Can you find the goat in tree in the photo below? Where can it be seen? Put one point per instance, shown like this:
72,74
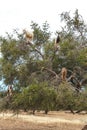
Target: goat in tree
10,91
63,74
28,35
29,38
56,44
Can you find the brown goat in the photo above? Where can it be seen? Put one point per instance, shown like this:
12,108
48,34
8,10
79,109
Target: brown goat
63,73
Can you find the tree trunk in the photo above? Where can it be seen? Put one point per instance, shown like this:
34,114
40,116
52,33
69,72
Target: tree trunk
46,111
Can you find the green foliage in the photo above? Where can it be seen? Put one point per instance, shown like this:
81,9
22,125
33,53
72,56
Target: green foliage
81,102
69,99
75,26
35,97
44,97
65,97
41,35
82,57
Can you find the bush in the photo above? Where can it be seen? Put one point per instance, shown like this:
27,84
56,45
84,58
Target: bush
66,97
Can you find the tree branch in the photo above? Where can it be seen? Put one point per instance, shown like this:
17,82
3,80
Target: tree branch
78,85
29,43
51,71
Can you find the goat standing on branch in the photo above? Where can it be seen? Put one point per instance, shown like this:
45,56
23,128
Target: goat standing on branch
56,44
29,38
63,74
10,91
28,35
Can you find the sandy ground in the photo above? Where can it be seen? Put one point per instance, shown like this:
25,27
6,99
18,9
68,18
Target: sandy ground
40,121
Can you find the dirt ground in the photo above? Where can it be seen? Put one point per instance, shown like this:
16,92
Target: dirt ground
39,121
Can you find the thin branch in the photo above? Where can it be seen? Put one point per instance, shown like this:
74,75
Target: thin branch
29,43
51,71
78,85
39,52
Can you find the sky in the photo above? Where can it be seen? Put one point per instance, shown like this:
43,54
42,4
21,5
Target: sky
18,14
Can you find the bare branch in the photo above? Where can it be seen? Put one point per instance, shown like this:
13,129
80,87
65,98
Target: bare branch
29,43
51,71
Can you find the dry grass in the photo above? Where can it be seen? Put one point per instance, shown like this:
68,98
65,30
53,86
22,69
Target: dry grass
52,121
16,124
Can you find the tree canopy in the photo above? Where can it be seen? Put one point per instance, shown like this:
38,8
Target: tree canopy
24,65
